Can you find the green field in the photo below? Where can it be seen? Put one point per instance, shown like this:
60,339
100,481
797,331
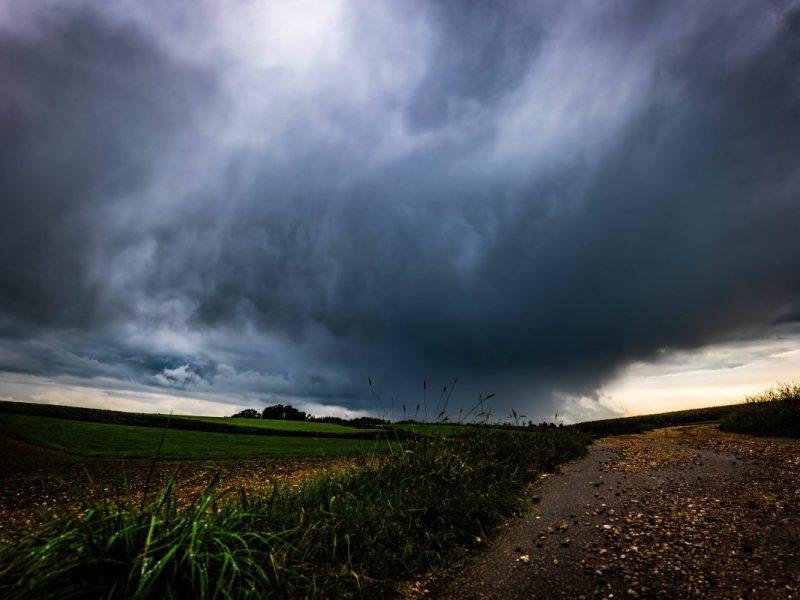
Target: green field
103,440
189,423
306,426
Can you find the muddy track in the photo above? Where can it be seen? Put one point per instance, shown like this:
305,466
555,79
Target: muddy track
686,512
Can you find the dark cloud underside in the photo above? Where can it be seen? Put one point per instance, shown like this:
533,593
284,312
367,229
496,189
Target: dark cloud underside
530,197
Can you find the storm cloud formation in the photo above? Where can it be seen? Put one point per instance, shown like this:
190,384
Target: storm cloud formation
263,202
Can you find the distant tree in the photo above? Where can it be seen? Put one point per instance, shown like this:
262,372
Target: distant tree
283,413
366,421
328,419
247,413
354,422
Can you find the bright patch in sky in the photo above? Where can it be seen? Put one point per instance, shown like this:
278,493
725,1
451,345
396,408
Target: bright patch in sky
714,375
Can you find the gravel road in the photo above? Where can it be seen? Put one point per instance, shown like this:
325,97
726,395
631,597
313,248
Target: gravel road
684,512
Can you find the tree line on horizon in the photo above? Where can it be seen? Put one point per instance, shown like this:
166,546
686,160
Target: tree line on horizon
287,412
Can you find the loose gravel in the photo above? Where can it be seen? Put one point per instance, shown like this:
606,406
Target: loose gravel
683,512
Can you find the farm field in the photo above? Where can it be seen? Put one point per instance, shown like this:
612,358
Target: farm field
307,426
102,440
39,484
186,422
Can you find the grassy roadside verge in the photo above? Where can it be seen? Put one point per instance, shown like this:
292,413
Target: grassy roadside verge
638,424
776,412
342,535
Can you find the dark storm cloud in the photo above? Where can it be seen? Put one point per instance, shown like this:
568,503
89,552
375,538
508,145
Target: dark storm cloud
530,198
482,51
86,110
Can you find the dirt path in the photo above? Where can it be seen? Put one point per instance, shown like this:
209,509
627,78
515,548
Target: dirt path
685,512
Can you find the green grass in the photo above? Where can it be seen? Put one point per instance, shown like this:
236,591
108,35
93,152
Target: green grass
307,426
776,412
103,440
343,535
189,423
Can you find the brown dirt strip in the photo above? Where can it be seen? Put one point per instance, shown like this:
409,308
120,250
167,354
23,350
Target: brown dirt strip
685,512
37,484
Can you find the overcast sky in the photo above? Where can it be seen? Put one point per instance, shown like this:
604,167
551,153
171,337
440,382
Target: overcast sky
215,205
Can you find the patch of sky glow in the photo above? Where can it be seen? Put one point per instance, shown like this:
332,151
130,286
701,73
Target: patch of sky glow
709,376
